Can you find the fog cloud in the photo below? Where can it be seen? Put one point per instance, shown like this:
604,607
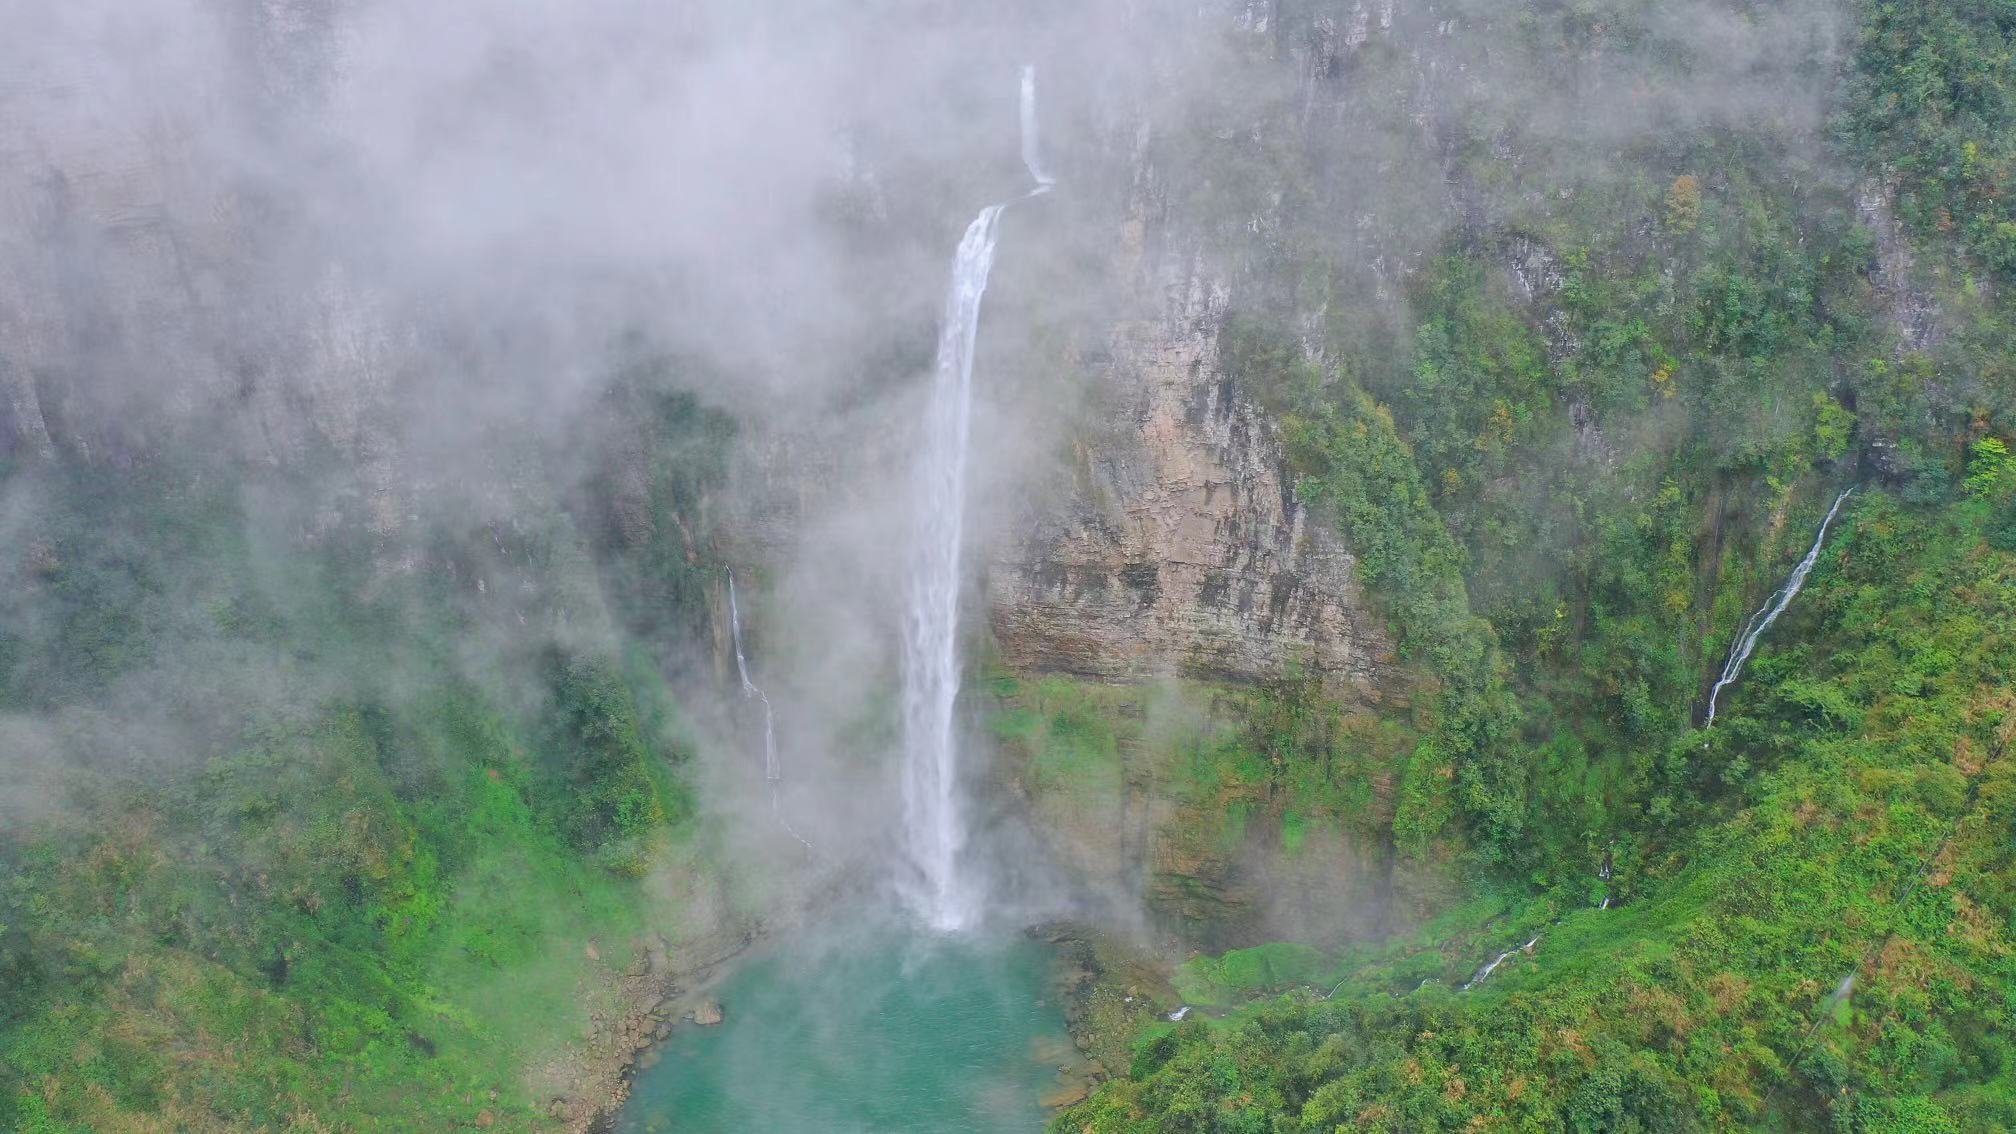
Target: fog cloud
413,232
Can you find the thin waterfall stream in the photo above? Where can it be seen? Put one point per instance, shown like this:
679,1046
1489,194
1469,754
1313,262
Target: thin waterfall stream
934,828
1484,974
1032,145
773,768
772,771
1759,622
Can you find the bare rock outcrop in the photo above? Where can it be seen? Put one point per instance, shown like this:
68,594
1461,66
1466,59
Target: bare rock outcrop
1179,547
1912,311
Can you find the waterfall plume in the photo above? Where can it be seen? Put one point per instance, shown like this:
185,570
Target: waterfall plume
934,825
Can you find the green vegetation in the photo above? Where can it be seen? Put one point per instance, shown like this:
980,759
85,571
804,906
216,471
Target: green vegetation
326,953
1487,489
1626,392
1869,836
299,858
336,809
1244,972
1188,783
1360,469
1617,415
1067,732
1932,106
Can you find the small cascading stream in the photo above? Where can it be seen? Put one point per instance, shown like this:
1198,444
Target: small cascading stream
773,768
934,827
1746,642
1759,622
1484,974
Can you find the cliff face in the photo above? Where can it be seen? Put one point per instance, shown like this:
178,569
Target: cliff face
1164,569
147,276
1175,543
1170,566
156,290
1179,546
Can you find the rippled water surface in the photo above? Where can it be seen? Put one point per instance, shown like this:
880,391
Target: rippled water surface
883,1032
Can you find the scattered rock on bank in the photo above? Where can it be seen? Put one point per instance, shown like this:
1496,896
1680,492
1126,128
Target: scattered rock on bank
1070,1095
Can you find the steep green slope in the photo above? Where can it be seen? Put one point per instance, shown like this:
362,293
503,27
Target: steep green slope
1850,815
327,826
1568,498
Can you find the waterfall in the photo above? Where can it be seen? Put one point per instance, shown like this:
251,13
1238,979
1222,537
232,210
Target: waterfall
773,769
1769,612
934,828
1484,973
931,624
1032,150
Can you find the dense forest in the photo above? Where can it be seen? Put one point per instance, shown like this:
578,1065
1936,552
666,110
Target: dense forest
1797,919
343,885
327,808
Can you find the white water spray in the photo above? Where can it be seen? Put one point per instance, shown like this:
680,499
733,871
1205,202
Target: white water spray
934,827
1769,612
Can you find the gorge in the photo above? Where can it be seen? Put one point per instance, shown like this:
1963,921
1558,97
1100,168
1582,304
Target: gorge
537,599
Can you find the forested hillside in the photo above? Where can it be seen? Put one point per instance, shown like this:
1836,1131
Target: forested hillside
322,832
1290,613
1570,502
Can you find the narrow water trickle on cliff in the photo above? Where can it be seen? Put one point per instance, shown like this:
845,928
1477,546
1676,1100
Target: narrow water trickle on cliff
772,771
773,768
1774,606
1032,144
934,828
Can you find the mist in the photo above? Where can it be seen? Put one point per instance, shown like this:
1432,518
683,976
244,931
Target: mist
417,235
394,292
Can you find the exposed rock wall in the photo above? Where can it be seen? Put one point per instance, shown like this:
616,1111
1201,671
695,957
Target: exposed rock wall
1179,546
142,279
1912,311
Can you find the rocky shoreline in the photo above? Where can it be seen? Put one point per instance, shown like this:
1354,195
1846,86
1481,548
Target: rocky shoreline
656,991
1109,989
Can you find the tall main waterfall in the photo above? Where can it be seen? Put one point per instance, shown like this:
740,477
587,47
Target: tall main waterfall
934,826
1769,612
